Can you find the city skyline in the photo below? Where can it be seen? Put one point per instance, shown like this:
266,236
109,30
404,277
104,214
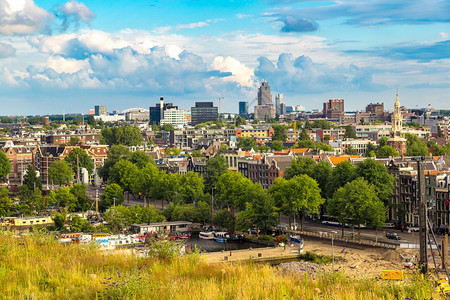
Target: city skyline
70,56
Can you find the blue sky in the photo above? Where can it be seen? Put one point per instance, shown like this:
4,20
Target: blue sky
57,55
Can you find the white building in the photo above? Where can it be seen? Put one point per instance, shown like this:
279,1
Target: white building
175,117
110,118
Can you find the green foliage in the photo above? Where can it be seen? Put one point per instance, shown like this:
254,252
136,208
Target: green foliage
349,133
31,179
415,147
173,151
247,142
223,219
277,145
344,172
300,165
62,197
199,213
386,151
120,217
322,124
125,135
140,159
279,133
113,195
351,151
83,202
5,165
168,127
322,146
148,182
74,141
240,121
163,249
6,204
263,148
30,201
299,195
357,203
304,136
60,220
196,153
315,258
215,167
78,157
91,120
78,224
233,188
376,174
191,187
115,153
125,174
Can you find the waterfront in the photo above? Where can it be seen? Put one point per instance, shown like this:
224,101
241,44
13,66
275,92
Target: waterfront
213,246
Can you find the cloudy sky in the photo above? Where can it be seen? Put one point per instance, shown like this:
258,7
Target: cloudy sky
70,56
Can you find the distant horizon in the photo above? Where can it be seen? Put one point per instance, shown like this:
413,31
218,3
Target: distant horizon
72,55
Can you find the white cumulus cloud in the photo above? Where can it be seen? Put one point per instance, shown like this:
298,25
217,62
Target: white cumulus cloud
21,17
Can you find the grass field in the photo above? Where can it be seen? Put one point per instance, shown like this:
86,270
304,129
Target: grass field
38,267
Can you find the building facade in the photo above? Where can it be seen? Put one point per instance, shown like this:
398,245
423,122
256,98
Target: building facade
204,112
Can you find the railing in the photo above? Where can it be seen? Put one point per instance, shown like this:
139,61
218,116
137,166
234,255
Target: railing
346,239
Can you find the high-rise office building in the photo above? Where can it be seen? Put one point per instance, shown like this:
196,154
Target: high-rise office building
204,112
100,110
333,109
243,108
264,94
279,105
157,112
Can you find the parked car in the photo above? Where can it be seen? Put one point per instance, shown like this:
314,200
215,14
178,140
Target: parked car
393,236
400,227
413,228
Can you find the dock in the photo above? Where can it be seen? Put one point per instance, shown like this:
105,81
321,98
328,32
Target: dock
269,254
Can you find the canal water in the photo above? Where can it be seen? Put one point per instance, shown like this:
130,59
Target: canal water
213,246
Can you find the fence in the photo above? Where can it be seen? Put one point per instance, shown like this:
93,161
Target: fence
346,239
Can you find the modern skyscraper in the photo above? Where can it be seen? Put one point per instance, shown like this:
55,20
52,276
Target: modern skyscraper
243,108
100,110
264,94
279,104
204,112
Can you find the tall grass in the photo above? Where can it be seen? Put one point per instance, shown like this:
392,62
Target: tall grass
38,267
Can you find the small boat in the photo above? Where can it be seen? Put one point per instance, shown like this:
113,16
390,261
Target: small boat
221,237
296,239
235,238
206,235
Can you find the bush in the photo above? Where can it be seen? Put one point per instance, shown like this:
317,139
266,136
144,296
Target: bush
316,258
267,238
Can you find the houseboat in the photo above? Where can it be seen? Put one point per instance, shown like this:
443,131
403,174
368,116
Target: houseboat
206,235
26,222
221,237
162,227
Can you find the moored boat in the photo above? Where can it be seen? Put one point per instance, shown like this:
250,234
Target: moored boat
206,235
235,238
221,237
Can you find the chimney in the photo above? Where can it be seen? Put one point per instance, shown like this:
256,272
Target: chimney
161,107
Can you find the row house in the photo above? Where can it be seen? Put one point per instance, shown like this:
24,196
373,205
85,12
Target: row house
197,165
85,138
19,157
191,137
265,169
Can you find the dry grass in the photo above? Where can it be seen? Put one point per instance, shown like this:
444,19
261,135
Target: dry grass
38,267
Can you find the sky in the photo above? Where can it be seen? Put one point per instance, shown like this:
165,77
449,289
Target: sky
60,56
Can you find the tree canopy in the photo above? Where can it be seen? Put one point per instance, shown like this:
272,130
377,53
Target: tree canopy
60,172
78,157
5,165
122,135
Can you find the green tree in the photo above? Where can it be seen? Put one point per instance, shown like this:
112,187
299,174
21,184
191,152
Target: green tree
91,120
279,133
5,165
297,196
125,135
382,142
63,198
125,174
376,174
78,158
83,202
415,147
300,165
247,142
74,141
351,151
167,127
349,133
233,188
173,151
60,172
215,167
113,196
78,224
322,174
224,219
31,180
322,124
386,151
30,201
263,148
6,204
277,145
148,182
240,121
140,159
120,217
60,220
357,203
115,153
191,187
343,173
260,211
196,153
